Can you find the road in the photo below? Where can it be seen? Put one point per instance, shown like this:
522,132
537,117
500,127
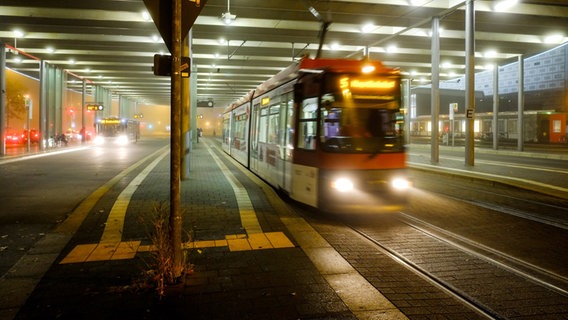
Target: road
41,191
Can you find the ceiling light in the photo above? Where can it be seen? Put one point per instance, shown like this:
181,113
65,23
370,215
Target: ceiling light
554,39
392,49
368,28
504,5
417,2
146,16
334,46
227,17
50,49
490,54
18,33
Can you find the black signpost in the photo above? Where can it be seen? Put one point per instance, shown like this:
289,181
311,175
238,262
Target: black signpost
174,18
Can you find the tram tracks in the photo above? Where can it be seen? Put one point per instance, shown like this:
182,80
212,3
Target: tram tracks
539,275
491,283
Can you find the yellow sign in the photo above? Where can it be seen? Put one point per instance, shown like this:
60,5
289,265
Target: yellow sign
372,84
265,101
347,83
110,121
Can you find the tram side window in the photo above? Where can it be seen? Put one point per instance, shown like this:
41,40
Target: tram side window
255,130
307,124
226,129
263,124
273,126
239,130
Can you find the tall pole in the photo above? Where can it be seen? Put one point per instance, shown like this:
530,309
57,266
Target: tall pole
2,97
185,113
175,161
521,106
495,124
83,113
435,95
469,81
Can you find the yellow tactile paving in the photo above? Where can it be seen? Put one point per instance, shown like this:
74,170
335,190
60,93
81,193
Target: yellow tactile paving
259,241
239,245
126,250
204,244
279,240
103,251
146,248
79,253
221,243
235,236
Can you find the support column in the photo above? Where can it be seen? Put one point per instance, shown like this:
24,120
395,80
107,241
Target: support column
2,98
43,82
469,81
175,157
83,113
521,106
495,123
185,110
435,92
406,106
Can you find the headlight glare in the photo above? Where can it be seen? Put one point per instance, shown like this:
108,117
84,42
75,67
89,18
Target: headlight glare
400,184
342,185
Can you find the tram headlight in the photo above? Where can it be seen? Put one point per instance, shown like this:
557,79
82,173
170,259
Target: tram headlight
99,140
342,185
122,140
400,184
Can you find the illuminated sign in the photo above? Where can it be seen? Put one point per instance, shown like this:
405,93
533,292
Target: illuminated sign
366,84
95,107
265,101
372,84
110,121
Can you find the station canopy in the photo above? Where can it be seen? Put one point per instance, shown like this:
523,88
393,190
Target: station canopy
240,43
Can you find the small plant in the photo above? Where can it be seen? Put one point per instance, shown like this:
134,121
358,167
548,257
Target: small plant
162,267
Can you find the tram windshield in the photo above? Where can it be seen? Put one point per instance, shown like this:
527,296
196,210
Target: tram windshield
361,115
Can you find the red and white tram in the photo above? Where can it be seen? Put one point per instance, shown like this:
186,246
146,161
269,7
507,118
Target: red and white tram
328,132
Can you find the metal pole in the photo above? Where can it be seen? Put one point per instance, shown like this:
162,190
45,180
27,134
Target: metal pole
175,160
470,81
521,106
495,126
407,109
185,113
435,94
83,107
2,97
43,82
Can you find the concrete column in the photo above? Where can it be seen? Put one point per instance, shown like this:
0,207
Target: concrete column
435,93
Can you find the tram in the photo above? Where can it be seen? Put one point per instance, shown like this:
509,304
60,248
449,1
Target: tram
327,132
116,130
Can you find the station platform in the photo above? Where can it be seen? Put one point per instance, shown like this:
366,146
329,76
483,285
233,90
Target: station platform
249,255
